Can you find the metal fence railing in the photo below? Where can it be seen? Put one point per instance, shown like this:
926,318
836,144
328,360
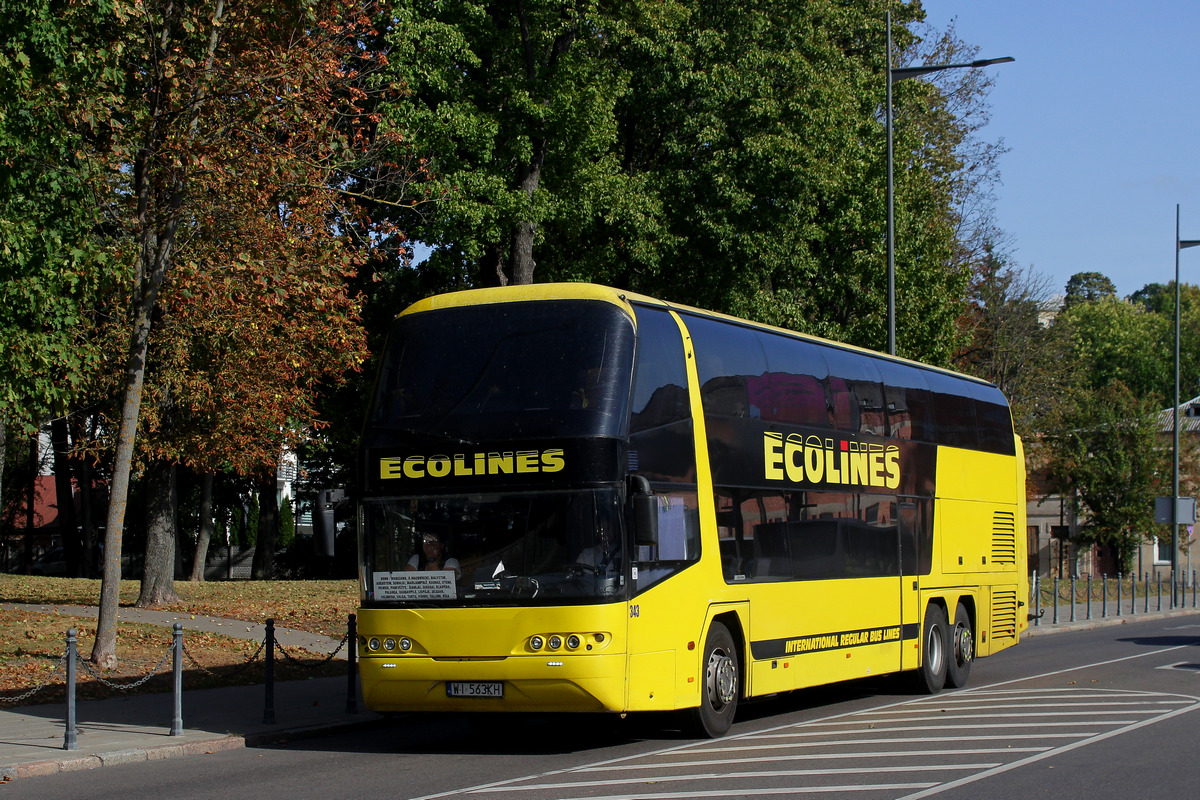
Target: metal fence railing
1081,599
176,651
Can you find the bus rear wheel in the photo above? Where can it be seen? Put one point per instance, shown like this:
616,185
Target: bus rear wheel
931,675
962,650
722,683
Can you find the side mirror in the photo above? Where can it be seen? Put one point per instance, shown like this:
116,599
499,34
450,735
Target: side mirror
645,511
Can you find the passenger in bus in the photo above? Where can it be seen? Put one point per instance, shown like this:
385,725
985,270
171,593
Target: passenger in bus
433,556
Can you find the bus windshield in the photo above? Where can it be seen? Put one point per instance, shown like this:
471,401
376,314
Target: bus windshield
553,547
505,371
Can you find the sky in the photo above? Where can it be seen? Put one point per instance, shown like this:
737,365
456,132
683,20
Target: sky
1101,115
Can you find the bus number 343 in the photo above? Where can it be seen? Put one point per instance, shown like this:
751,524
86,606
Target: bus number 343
635,611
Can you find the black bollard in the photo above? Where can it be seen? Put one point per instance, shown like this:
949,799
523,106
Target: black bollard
177,679
269,710
71,737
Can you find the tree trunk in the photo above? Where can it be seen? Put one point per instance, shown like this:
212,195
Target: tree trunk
83,474
104,651
64,496
158,575
521,262
268,519
268,514
206,528
3,454
31,500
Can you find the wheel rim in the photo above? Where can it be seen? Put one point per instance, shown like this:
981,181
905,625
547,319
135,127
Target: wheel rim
964,646
934,650
721,678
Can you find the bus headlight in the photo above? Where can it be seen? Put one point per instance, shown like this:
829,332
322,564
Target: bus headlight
373,643
405,644
572,642
555,642
389,643
536,642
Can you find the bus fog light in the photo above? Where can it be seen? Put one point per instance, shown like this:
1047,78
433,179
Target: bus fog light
555,642
572,642
536,643
372,643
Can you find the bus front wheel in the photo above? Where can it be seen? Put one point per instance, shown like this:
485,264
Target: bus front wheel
962,650
931,675
719,693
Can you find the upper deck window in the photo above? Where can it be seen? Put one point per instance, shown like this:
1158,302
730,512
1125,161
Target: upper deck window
507,370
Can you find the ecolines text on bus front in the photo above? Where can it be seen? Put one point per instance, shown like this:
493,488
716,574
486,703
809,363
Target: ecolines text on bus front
468,464
815,459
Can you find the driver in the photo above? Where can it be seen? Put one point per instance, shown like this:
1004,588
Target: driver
433,556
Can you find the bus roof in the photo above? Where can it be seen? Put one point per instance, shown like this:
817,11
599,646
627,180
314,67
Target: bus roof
625,299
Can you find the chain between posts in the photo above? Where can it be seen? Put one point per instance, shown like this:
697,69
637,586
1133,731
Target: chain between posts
315,664
18,698
238,671
122,687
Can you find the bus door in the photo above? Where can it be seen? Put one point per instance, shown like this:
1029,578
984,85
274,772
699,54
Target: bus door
664,615
914,522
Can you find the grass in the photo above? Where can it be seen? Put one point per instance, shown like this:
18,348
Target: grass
32,644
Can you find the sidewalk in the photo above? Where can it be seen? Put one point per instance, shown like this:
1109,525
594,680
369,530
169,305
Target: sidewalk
137,728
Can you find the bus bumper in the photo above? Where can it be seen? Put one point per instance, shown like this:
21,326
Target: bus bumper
529,683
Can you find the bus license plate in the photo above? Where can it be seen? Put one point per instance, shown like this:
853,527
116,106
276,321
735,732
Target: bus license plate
474,689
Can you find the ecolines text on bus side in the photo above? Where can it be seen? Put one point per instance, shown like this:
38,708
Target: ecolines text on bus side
815,459
468,464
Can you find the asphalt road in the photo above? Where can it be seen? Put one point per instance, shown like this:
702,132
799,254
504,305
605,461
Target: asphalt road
1106,713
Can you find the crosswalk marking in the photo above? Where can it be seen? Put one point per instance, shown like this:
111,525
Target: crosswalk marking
941,742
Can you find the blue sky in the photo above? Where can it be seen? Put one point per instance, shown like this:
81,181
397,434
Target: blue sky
1101,115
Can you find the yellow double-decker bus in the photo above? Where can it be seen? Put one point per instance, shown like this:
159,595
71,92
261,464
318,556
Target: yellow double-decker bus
575,498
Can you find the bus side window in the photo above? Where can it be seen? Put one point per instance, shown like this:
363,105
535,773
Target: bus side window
857,391
660,425
907,403
678,539
732,370
798,382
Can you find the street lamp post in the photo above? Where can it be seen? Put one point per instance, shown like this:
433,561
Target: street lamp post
893,75
1180,244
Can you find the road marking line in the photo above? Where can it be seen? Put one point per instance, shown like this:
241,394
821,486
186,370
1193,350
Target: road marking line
781,773
1047,754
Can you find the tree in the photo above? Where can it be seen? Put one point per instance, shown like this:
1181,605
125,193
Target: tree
512,106
1112,340
1085,287
51,266
221,121
1010,346
725,157
1105,447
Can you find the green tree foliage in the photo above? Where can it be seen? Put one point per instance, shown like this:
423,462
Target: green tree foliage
287,524
1084,287
1104,447
728,156
53,67
1114,340
1159,299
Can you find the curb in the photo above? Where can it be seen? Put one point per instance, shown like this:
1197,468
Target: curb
34,769
1104,622
197,747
